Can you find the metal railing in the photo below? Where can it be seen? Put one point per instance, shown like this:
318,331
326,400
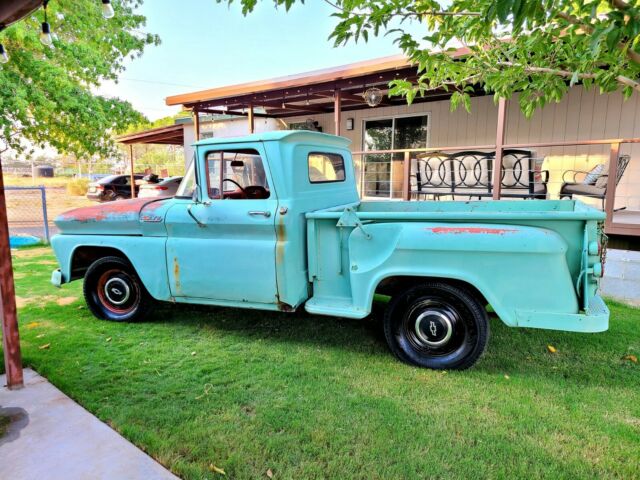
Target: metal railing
410,157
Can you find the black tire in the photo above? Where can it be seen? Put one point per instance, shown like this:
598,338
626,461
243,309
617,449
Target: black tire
113,291
455,336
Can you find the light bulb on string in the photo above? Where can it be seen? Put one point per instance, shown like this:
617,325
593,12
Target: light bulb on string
45,34
107,9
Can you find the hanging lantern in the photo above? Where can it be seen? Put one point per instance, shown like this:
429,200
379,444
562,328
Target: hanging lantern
373,96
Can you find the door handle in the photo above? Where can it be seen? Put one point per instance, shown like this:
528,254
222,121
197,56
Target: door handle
255,213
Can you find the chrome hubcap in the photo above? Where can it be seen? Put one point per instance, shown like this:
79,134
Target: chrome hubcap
433,328
117,291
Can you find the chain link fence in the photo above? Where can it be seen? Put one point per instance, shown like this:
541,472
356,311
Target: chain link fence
27,213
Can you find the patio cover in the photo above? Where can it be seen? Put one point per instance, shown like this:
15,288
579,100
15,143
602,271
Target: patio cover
321,91
171,135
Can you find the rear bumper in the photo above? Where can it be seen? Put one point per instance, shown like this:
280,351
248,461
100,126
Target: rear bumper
594,319
96,196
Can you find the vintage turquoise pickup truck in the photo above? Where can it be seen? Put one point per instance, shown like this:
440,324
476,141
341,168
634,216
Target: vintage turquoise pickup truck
273,221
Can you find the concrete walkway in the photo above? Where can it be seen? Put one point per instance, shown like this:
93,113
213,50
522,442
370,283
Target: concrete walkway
50,436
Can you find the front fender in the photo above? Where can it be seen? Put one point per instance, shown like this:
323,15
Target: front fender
146,254
514,267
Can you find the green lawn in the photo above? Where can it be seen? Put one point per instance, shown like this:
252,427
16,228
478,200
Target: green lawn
315,397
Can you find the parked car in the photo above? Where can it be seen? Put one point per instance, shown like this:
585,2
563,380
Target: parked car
113,187
163,188
283,227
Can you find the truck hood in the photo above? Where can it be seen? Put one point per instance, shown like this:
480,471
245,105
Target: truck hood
122,217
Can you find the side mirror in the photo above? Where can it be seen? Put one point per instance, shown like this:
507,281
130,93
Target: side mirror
195,196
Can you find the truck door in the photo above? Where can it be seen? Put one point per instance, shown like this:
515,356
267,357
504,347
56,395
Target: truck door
222,248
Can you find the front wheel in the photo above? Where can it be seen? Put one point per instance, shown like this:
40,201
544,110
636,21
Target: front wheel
113,291
437,325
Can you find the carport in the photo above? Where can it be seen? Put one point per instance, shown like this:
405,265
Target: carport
171,135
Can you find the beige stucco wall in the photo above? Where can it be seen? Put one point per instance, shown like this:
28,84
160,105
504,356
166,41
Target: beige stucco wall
582,114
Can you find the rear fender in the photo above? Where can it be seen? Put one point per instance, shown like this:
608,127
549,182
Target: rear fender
513,267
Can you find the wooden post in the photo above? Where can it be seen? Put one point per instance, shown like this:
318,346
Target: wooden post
133,178
610,197
250,119
497,162
337,106
196,123
8,311
406,181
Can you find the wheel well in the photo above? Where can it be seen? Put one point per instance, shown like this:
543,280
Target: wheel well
83,257
391,286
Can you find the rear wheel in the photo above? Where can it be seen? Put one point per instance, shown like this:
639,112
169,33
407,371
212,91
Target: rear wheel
437,325
113,291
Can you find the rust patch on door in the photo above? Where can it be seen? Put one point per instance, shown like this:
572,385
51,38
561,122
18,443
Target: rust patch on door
176,274
281,238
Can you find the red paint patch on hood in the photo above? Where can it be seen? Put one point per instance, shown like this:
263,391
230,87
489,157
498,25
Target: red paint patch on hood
100,212
471,230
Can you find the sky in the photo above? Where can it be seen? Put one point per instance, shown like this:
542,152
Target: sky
206,45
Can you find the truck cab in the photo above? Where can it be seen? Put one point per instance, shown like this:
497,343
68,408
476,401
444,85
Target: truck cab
274,222
253,236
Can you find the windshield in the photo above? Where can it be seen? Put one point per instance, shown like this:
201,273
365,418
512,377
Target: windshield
188,183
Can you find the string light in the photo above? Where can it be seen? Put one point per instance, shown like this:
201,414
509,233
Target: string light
107,9
45,34
46,38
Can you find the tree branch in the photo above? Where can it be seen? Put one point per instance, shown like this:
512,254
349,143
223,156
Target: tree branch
633,55
619,4
567,74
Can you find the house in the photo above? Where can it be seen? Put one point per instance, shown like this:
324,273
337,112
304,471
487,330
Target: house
390,139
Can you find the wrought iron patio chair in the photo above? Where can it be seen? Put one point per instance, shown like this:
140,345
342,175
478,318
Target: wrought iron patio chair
597,189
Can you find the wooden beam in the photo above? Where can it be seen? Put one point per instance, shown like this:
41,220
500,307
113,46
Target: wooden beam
305,108
133,178
8,311
196,123
497,162
250,119
345,96
337,110
214,111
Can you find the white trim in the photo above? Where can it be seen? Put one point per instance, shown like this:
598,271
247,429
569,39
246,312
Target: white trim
393,128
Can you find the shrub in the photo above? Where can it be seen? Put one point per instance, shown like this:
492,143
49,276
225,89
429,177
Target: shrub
77,186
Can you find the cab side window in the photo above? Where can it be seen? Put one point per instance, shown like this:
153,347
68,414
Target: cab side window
243,175
325,167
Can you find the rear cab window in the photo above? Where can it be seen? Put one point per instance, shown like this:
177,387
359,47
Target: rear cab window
325,167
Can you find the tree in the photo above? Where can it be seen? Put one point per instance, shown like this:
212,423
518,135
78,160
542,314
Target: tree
47,94
537,48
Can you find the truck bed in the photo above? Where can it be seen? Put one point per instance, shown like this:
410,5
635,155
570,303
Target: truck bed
520,255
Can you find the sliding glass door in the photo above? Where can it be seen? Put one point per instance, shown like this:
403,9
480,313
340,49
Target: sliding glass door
382,172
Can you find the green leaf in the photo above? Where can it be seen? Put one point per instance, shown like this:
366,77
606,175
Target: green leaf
503,9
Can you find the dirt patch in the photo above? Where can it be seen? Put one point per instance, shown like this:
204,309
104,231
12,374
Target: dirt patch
22,302
41,300
42,262
32,252
66,300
